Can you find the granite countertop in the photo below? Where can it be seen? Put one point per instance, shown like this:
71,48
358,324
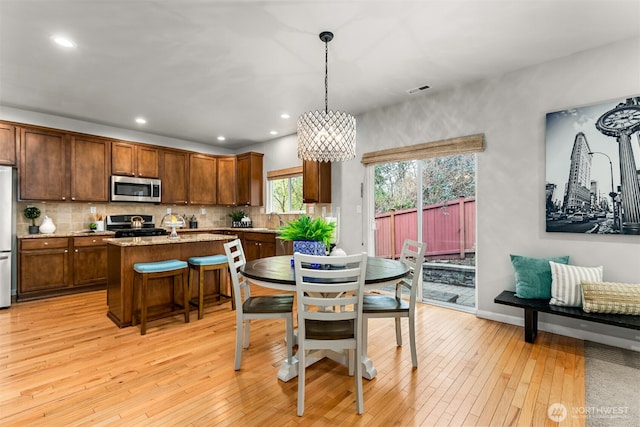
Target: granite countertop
81,233
165,240
234,229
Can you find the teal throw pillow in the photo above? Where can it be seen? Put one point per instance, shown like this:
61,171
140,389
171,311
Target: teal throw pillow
533,276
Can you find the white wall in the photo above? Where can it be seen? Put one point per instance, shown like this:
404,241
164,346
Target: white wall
510,111
57,122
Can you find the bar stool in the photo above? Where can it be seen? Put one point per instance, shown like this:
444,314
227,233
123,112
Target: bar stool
143,272
208,263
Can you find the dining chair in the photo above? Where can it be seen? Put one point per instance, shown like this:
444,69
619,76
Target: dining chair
254,307
322,283
382,306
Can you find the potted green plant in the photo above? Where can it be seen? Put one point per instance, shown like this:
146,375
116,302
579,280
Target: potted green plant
32,213
309,235
236,217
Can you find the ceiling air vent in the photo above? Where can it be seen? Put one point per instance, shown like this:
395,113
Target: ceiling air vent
417,89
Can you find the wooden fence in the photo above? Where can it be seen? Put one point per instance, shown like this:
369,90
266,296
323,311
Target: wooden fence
448,228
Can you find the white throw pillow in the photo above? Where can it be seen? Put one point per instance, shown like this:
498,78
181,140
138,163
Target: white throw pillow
565,283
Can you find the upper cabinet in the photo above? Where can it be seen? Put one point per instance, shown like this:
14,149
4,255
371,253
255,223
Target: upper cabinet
90,169
203,179
59,166
227,180
134,160
316,182
174,174
7,144
43,165
249,186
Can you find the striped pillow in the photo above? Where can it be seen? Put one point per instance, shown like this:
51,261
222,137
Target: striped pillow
565,283
607,297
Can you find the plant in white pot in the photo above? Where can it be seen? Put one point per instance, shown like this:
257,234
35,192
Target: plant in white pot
309,235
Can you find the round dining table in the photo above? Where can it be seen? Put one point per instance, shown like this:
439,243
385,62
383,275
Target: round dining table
277,272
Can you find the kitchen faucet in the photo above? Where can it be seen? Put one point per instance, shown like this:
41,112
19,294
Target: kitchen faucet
281,223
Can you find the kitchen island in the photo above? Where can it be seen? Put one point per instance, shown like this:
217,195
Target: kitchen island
123,253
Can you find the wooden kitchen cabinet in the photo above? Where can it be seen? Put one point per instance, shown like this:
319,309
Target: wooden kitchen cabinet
44,266
249,187
259,245
227,180
89,261
173,174
8,153
43,170
202,179
316,182
90,169
137,160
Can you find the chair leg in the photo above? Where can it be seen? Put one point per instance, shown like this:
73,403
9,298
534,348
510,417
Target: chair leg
358,379
398,332
185,295
412,339
143,305
134,300
247,333
201,294
289,325
351,360
239,328
365,334
301,379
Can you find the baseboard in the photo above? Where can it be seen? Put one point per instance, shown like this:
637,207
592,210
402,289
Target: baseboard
563,330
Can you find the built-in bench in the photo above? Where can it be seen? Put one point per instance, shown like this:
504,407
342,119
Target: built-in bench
533,306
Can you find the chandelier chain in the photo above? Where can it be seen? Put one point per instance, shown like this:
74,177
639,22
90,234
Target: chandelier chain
326,76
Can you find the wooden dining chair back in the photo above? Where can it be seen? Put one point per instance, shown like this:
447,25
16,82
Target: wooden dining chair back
379,306
322,284
254,307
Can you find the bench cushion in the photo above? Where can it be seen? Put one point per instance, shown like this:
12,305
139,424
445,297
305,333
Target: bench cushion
565,283
533,276
609,297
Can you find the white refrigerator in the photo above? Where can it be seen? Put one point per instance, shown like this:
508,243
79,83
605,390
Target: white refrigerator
6,234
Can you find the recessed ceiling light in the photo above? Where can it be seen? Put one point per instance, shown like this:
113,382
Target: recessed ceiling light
273,132
221,138
284,116
63,41
141,120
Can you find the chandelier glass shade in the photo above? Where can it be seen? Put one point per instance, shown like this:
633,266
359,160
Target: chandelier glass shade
326,136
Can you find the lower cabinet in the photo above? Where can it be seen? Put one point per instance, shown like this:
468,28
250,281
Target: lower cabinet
259,245
47,268
89,261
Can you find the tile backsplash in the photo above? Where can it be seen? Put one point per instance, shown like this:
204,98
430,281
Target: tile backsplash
70,217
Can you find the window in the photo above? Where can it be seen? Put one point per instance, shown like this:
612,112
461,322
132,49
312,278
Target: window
285,190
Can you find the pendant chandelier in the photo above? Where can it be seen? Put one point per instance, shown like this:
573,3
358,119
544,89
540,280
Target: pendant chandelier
326,136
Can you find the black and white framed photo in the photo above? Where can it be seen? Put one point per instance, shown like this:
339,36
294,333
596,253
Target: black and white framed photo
592,168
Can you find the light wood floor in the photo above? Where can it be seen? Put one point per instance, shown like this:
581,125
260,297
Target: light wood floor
63,363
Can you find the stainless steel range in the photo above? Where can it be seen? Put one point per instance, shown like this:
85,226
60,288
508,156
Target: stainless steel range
134,225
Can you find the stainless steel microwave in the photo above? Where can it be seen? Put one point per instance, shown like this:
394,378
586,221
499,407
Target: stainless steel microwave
128,189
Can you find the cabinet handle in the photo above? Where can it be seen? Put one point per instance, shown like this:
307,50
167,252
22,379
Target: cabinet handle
73,198
94,240
66,250
46,243
76,251
64,198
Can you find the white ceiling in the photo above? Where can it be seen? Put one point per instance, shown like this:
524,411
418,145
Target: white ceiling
199,69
